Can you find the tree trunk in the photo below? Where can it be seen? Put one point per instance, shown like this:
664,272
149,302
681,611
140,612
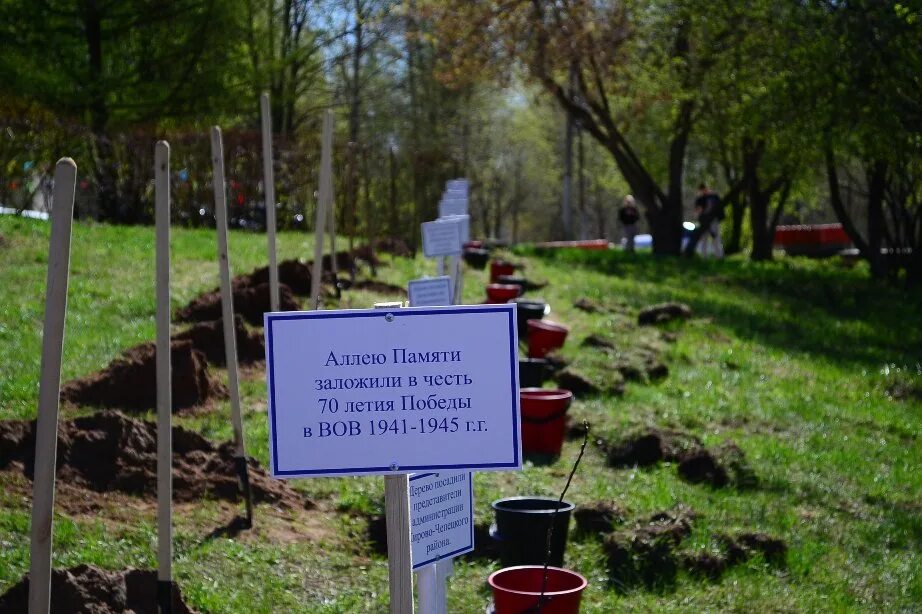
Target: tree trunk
877,182
104,172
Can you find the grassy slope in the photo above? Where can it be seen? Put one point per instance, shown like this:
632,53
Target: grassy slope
790,360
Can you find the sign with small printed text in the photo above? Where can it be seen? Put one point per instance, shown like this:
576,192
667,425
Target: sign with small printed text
380,391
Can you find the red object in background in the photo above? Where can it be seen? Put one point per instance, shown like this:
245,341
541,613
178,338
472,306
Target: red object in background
544,418
593,244
502,293
240,198
820,235
500,267
518,589
473,245
84,184
544,337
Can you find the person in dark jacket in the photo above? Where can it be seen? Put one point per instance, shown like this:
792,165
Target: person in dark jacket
629,215
709,210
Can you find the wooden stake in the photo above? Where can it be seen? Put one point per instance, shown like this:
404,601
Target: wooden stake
269,192
324,193
227,315
397,521
46,428
164,379
399,554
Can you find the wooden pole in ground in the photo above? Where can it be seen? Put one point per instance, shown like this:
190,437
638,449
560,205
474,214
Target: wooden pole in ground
227,315
324,194
46,428
397,521
399,554
269,192
334,266
164,379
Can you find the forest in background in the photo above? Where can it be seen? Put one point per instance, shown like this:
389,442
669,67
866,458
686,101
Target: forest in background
793,111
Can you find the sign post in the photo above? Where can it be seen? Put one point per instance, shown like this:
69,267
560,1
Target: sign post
164,379
391,392
324,196
269,193
46,428
227,314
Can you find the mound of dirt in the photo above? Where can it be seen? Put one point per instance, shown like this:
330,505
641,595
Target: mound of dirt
651,446
250,302
394,246
598,517
109,451
588,305
646,553
598,341
208,338
725,465
664,312
130,381
292,273
734,550
91,590
379,287
576,383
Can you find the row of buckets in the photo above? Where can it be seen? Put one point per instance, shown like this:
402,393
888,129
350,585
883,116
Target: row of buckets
522,523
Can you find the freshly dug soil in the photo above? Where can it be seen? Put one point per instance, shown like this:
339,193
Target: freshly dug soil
86,589
598,517
109,451
576,383
651,446
394,246
597,341
250,302
292,273
725,465
733,551
646,554
587,305
208,338
379,287
664,312
130,381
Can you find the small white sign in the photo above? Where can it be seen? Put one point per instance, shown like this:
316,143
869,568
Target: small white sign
455,206
441,516
381,391
442,238
464,220
430,291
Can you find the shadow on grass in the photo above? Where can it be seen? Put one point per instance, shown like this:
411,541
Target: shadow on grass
794,304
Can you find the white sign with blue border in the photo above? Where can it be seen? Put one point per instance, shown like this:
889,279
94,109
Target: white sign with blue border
442,238
379,391
430,291
441,516
454,206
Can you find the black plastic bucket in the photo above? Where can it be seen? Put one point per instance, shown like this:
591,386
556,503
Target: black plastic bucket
528,309
512,280
533,372
521,530
476,258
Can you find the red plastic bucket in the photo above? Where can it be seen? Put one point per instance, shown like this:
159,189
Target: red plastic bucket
544,337
518,589
502,293
500,267
544,419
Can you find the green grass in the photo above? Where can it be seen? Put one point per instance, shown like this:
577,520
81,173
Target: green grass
792,360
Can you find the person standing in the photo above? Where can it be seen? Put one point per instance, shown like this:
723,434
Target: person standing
629,215
709,209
